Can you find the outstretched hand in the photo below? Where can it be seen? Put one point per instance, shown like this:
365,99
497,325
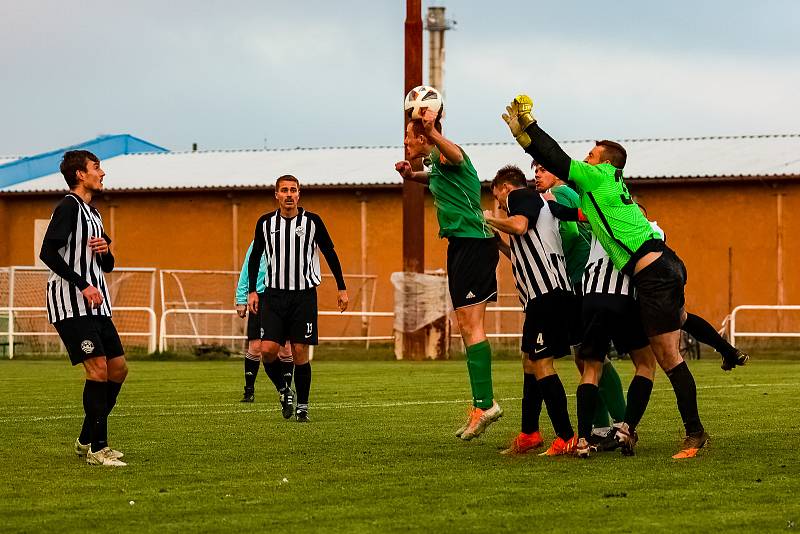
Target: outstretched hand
519,116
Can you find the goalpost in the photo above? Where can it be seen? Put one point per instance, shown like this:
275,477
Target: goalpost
23,314
198,308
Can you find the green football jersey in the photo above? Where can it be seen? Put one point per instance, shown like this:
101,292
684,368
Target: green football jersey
575,237
615,218
456,191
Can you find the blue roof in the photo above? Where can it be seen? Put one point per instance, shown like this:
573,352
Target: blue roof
104,147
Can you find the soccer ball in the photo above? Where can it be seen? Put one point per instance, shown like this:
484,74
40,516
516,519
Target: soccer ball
421,98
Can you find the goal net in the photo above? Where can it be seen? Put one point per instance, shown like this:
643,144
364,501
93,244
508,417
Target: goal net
22,297
184,292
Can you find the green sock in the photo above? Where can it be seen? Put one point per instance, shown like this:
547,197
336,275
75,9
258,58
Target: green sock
479,363
611,392
471,379
601,415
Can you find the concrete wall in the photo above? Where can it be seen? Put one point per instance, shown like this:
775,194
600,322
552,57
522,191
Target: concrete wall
194,230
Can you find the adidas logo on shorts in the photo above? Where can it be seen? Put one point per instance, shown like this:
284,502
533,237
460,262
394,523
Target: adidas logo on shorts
470,295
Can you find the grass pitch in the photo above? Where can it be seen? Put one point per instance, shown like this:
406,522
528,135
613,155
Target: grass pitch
380,456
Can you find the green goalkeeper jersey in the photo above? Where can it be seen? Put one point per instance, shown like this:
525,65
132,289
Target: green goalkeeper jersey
614,217
575,237
456,191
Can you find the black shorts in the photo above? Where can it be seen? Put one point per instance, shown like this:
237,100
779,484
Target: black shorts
89,336
545,333
659,290
471,266
254,321
290,314
609,318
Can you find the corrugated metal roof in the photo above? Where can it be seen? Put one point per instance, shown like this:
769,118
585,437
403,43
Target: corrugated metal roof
767,155
29,168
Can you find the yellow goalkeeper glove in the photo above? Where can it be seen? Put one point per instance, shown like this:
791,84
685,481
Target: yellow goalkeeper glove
519,117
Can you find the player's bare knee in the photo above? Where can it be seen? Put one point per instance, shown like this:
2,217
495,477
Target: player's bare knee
96,369
117,370
300,354
527,365
254,347
543,368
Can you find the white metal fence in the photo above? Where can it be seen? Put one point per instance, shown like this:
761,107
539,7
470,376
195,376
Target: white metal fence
732,322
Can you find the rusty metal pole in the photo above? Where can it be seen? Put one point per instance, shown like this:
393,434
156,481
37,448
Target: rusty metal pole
413,193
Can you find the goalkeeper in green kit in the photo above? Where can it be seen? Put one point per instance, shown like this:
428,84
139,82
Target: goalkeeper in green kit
634,248
472,250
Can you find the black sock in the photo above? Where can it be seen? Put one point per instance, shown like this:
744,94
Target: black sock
112,392
86,430
531,404
97,400
273,370
686,395
287,370
302,379
588,396
251,365
555,399
638,397
706,334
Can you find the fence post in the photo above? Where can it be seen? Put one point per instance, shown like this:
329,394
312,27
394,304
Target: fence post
11,313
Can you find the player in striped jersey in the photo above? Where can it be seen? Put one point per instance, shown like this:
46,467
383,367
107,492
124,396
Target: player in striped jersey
76,250
291,238
545,291
576,238
610,314
657,272
280,370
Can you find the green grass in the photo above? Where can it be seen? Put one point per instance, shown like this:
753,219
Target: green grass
379,455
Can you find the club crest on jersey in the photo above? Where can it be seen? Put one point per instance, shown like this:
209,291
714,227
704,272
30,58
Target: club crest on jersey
300,230
87,346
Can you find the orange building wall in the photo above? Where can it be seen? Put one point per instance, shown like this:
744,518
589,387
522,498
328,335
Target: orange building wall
194,230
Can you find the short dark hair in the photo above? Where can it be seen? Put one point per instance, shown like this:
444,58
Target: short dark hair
510,174
418,129
613,152
74,161
286,178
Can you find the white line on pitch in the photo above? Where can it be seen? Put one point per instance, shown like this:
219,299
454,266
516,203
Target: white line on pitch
320,406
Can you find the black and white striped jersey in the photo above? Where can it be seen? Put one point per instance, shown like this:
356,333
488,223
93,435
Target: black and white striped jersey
600,275
73,265
291,247
537,256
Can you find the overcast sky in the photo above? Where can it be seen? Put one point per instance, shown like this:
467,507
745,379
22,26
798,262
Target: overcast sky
249,74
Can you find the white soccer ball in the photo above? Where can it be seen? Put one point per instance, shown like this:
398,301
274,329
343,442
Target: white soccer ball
421,98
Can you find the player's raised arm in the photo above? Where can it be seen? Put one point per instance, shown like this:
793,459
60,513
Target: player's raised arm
451,152
534,140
